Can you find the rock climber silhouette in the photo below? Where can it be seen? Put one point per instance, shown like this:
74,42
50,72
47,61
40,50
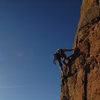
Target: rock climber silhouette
60,54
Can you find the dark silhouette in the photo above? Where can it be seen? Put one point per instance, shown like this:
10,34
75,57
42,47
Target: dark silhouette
60,54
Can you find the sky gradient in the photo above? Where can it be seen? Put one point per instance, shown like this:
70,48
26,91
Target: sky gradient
30,33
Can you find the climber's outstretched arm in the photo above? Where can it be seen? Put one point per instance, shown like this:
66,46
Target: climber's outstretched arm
65,50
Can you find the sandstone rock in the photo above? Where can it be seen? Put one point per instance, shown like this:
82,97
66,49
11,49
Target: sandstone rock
81,76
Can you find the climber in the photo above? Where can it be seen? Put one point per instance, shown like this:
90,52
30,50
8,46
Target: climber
60,54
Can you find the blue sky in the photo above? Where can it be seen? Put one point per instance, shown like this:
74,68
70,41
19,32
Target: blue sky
30,32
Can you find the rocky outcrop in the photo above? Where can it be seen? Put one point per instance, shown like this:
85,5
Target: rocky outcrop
81,73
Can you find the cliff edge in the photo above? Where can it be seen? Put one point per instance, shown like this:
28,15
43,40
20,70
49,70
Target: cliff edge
81,73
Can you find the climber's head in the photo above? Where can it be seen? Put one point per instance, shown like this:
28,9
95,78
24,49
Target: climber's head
58,50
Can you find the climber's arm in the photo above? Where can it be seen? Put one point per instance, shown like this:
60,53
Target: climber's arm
65,50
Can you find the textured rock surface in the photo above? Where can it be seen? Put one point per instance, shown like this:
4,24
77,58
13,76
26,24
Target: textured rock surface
81,78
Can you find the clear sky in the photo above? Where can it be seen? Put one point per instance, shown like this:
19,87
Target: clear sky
30,32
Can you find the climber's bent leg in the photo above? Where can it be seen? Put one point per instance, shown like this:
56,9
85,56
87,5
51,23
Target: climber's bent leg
64,59
60,66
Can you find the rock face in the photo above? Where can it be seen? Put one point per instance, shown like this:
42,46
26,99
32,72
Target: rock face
81,74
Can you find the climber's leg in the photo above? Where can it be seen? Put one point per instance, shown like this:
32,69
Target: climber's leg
64,59
60,65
